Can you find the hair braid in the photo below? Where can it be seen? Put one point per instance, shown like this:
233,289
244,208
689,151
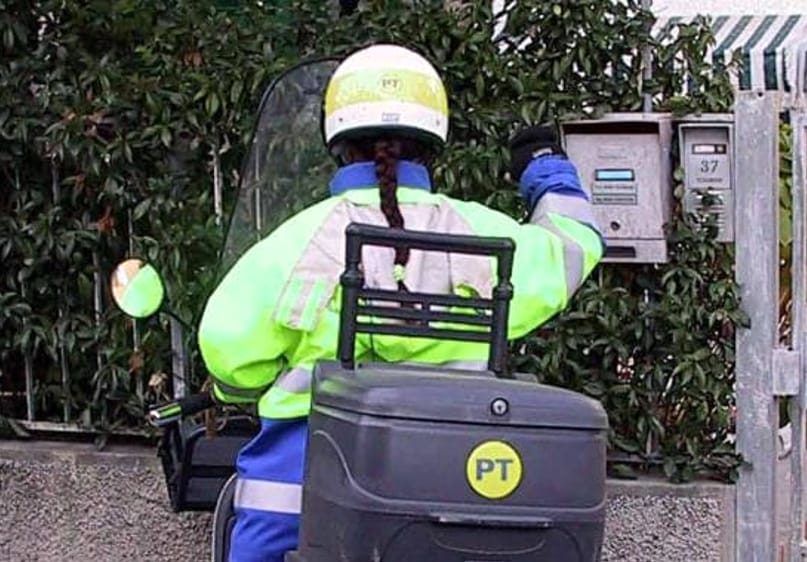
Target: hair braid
386,154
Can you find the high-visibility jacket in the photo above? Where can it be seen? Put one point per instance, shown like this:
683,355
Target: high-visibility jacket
276,313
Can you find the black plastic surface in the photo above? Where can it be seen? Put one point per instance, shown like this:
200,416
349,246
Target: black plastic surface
196,466
388,479
443,395
223,522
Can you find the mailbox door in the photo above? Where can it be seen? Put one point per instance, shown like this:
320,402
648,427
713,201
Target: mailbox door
707,159
623,174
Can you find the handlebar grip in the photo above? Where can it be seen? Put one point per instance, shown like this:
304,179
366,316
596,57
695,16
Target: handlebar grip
171,412
196,403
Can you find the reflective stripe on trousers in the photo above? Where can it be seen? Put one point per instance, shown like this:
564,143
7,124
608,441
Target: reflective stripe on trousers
279,497
268,494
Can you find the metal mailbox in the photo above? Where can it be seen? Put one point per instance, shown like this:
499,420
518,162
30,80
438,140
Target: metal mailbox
625,164
706,145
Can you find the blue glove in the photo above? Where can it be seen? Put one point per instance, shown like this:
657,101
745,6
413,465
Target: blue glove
552,173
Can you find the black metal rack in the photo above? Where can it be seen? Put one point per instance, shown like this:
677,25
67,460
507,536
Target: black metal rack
486,323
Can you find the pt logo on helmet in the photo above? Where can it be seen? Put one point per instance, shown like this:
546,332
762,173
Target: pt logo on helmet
494,469
390,83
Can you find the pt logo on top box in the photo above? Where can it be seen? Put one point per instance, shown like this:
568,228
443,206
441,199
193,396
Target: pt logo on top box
494,469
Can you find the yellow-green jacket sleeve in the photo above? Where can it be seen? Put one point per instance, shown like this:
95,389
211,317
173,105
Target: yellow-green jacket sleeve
555,252
241,336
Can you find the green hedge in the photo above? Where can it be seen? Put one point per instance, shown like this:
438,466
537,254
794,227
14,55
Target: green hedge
109,113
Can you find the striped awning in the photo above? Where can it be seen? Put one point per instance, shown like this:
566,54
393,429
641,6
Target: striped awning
771,49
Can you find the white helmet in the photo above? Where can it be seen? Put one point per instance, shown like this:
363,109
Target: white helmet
385,89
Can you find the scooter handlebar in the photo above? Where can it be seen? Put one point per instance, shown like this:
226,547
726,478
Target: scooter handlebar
171,412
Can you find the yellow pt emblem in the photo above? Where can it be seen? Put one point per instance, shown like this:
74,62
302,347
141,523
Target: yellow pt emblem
494,469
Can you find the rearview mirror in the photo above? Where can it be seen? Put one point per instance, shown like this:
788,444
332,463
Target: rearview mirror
137,288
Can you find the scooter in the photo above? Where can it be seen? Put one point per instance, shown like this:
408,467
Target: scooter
408,462
287,169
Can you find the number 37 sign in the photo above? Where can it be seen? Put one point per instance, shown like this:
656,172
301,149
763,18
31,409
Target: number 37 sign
707,161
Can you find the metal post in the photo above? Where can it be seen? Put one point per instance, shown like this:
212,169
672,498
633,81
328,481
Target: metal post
63,365
218,208
28,365
139,383
257,195
30,404
799,401
178,358
647,63
135,330
98,304
757,247
258,214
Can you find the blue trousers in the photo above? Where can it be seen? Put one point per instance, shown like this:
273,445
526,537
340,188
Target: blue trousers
269,492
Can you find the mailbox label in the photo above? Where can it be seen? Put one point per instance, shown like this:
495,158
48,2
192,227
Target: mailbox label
614,186
708,166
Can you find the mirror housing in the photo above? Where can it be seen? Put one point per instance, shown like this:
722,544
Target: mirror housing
137,288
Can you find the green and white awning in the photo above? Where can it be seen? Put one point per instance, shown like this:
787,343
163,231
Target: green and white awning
772,49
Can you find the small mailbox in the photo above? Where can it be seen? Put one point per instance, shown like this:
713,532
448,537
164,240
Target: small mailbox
624,163
706,146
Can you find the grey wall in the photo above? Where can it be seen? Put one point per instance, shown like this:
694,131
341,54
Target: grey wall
65,502
62,502
651,520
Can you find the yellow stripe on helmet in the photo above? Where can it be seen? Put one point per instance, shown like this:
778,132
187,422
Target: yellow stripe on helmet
379,85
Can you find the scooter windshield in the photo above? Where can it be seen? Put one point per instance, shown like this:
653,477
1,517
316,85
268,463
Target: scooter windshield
288,167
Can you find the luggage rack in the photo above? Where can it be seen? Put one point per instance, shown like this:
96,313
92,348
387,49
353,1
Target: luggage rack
487,325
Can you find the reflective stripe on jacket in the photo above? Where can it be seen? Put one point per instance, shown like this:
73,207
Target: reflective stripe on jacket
276,313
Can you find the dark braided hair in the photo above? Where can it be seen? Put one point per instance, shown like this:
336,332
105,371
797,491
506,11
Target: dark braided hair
386,156
386,152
